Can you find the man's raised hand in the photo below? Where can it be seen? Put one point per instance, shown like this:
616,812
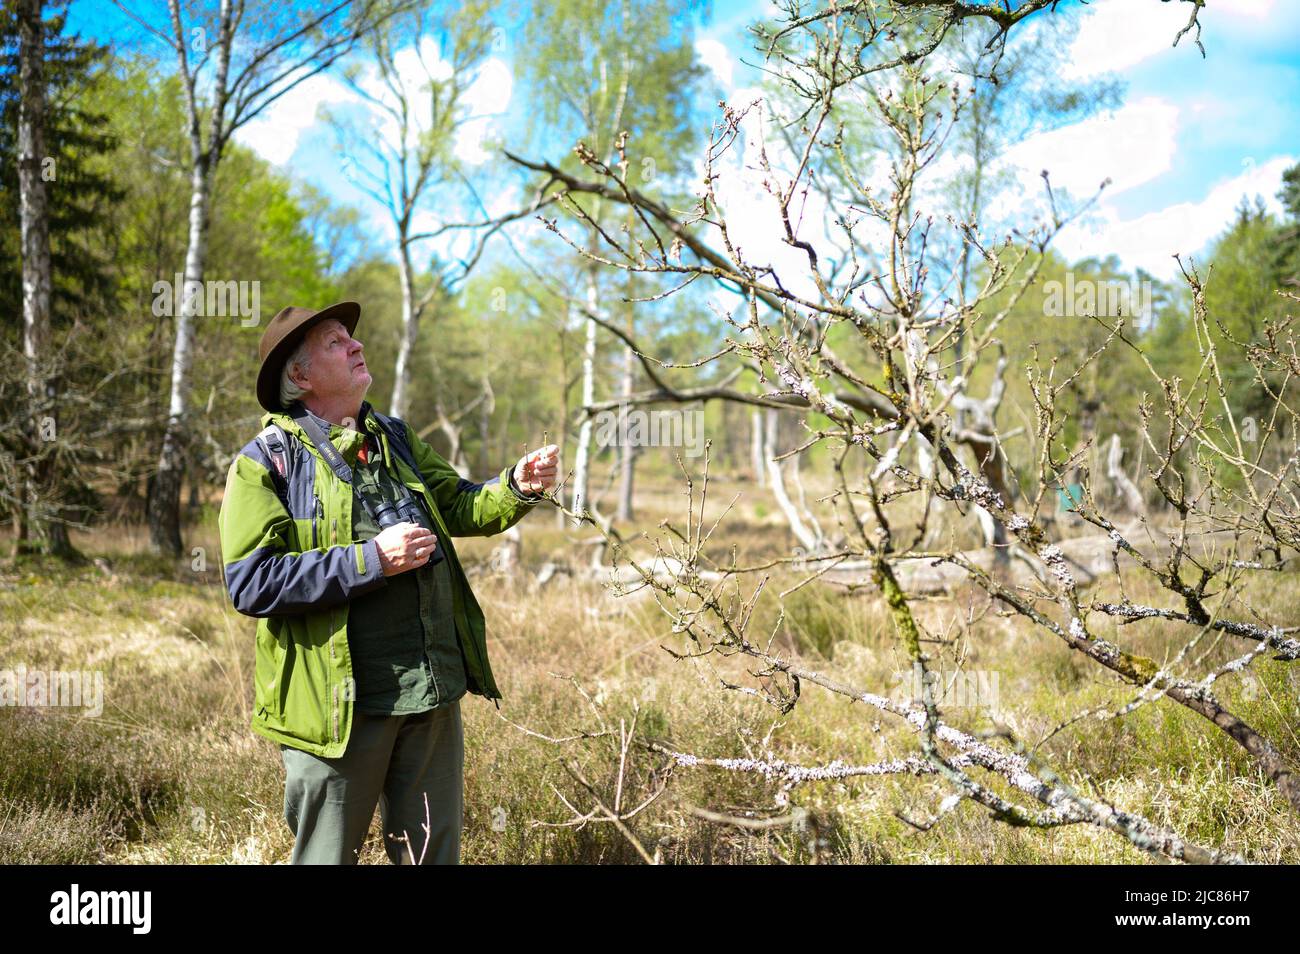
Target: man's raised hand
536,470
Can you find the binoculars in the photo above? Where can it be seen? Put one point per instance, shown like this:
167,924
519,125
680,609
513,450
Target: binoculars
408,510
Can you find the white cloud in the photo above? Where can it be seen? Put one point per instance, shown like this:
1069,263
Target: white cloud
748,208
487,96
1116,34
1131,146
1150,240
751,210
414,69
274,134
714,55
1138,144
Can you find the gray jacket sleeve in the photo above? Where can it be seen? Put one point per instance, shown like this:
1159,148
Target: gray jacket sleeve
263,576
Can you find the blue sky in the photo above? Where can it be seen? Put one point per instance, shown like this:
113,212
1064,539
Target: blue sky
1191,137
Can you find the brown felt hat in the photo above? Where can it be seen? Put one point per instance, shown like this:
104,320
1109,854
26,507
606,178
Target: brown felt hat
282,335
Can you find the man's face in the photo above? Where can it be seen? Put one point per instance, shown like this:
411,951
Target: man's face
337,365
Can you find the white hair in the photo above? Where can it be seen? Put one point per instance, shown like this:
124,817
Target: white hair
289,389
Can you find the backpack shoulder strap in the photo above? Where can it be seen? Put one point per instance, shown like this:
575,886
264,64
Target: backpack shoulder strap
278,444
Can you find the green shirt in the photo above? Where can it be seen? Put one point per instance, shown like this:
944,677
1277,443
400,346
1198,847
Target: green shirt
406,656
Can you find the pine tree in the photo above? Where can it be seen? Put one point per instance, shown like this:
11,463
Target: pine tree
80,193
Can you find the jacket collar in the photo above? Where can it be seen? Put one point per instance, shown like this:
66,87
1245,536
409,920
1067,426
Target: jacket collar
347,440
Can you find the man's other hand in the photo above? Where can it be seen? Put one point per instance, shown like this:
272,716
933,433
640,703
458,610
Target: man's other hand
404,546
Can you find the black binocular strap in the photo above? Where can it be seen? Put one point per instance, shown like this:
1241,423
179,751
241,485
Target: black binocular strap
323,444
332,457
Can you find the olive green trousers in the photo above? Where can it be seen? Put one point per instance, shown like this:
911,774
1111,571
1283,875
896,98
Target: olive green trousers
399,761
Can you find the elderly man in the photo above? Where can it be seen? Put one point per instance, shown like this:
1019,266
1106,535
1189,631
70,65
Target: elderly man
336,532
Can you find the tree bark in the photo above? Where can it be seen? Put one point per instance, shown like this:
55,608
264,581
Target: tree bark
627,453
42,471
757,454
1126,489
164,501
582,463
165,495
410,332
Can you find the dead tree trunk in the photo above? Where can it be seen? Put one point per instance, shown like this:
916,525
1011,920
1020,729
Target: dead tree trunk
981,435
1124,487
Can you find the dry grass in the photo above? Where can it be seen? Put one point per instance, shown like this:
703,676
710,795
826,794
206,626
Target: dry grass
171,773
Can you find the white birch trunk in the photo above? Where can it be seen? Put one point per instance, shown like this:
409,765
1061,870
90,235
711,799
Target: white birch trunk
627,453
164,502
36,277
398,407
757,452
581,465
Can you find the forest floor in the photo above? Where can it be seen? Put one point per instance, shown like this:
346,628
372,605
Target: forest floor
169,771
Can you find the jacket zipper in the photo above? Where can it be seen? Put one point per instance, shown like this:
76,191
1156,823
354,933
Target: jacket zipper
334,690
317,514
479,656
424,645
423,490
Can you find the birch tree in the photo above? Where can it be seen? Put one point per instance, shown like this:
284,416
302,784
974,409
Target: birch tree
597,71
234,60
33,168
403,153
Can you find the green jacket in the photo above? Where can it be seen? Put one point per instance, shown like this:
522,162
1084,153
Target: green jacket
296,568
